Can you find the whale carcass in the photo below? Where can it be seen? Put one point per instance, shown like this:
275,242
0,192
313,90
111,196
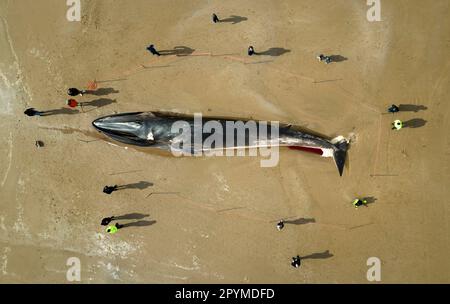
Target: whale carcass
189,133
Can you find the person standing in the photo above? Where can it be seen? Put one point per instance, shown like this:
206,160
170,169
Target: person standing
73,103
280,225
33,112
359,202
151,49
110,189
114,229
75,92
327,59
397,125
393,109
296,261
107,220
215,19
251,51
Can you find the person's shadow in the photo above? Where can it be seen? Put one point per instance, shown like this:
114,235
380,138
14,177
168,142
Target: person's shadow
102,91
338,58
273,52
411,108
131,216
234,19
370,199
142,185
62,111
134,216
301,221
98,103
178,51
415,123
319,255
139,224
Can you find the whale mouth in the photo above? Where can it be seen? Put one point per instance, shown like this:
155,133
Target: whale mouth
128,122
126,128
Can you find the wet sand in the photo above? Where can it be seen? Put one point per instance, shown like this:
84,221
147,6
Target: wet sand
215,217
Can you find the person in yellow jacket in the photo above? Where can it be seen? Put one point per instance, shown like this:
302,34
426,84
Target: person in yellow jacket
359,202
113,229
397,125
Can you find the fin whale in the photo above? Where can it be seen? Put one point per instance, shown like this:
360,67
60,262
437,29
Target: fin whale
154,129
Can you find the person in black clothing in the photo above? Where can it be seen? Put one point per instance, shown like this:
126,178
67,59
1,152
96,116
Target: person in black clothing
32,112
110,189
251,51
107,220
280,225
296,261
393,109
215,19
327,59
152,50
75,92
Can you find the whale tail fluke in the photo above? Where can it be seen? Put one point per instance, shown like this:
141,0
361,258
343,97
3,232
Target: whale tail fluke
340,152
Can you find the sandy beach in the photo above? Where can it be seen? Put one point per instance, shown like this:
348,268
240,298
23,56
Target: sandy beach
213,220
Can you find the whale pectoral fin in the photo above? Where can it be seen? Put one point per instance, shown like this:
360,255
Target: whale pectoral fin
340,154
339,159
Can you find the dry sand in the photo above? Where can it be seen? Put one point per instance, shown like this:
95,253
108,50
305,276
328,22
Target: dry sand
219,223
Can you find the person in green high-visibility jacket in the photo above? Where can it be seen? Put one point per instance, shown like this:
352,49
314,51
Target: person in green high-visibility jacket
113,229
359,202
397,125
